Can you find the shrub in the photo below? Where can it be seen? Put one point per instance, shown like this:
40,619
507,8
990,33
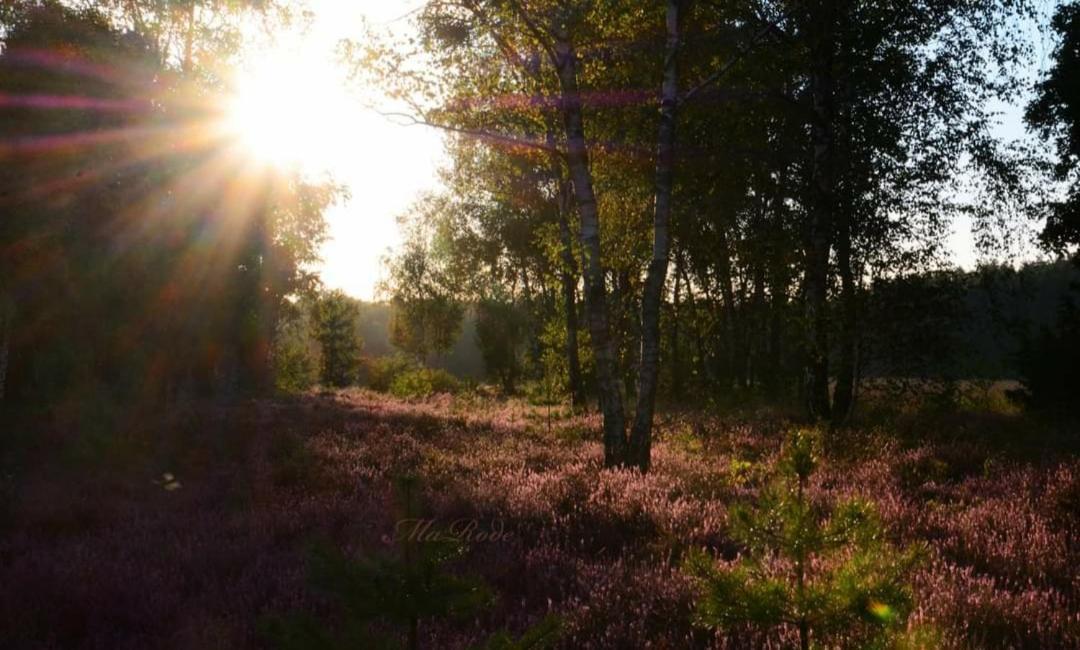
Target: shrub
829,574
297,359
500,335
423,382
380,372
394,594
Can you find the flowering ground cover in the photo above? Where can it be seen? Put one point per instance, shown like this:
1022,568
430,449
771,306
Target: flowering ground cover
192,533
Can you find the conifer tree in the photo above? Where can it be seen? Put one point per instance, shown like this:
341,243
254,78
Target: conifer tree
827,572
401,589
336,316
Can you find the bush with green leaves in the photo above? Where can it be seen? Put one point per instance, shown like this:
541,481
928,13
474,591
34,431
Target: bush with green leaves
423,382
500,335
425,327
297,355
828,573
380,372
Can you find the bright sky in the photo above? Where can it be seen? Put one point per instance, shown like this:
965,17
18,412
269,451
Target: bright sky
384,165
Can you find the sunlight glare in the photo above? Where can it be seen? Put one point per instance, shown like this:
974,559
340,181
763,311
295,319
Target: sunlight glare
290,113
294,107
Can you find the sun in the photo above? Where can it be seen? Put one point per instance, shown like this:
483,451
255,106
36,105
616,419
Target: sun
291,113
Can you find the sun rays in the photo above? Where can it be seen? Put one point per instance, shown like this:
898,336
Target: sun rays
290,111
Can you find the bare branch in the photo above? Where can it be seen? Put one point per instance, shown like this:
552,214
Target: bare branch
406,119
730,65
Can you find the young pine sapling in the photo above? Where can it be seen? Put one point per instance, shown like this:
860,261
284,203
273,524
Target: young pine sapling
828,573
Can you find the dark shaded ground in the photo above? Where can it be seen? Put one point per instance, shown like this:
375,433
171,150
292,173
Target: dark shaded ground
98,550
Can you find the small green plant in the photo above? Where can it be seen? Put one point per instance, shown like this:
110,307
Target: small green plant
380,372
743,473
685,439
400,590
423,382
396,592
297,356
826,572
542,635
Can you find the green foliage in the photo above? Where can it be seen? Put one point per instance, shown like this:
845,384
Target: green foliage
895,95
425,326
916,326
744,473
426,314
336,321
380,372
1055,113
120,274
402,590
553,365
684,437
297,355
500,333
828,572
544,634
423,382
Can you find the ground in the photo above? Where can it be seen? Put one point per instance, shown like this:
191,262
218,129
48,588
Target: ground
191,532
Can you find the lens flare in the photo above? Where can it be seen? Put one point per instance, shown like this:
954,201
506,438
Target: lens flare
290,113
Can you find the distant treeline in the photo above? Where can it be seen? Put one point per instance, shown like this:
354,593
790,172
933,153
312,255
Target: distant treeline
938,325
966,324
463,359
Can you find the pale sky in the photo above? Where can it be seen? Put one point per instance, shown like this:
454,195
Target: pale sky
386,165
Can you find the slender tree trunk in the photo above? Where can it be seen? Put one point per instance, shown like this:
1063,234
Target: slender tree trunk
189,41
729,317
699,338
843,396
596,309
822,206
626,328
758,334
745,317
569,290
568,275
844,393
649,365
676,303
777,307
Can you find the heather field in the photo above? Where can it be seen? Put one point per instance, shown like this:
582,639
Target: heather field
192,533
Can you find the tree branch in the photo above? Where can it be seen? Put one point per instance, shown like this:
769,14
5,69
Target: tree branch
727,67
406,119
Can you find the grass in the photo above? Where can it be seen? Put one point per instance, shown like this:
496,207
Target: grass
96,553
